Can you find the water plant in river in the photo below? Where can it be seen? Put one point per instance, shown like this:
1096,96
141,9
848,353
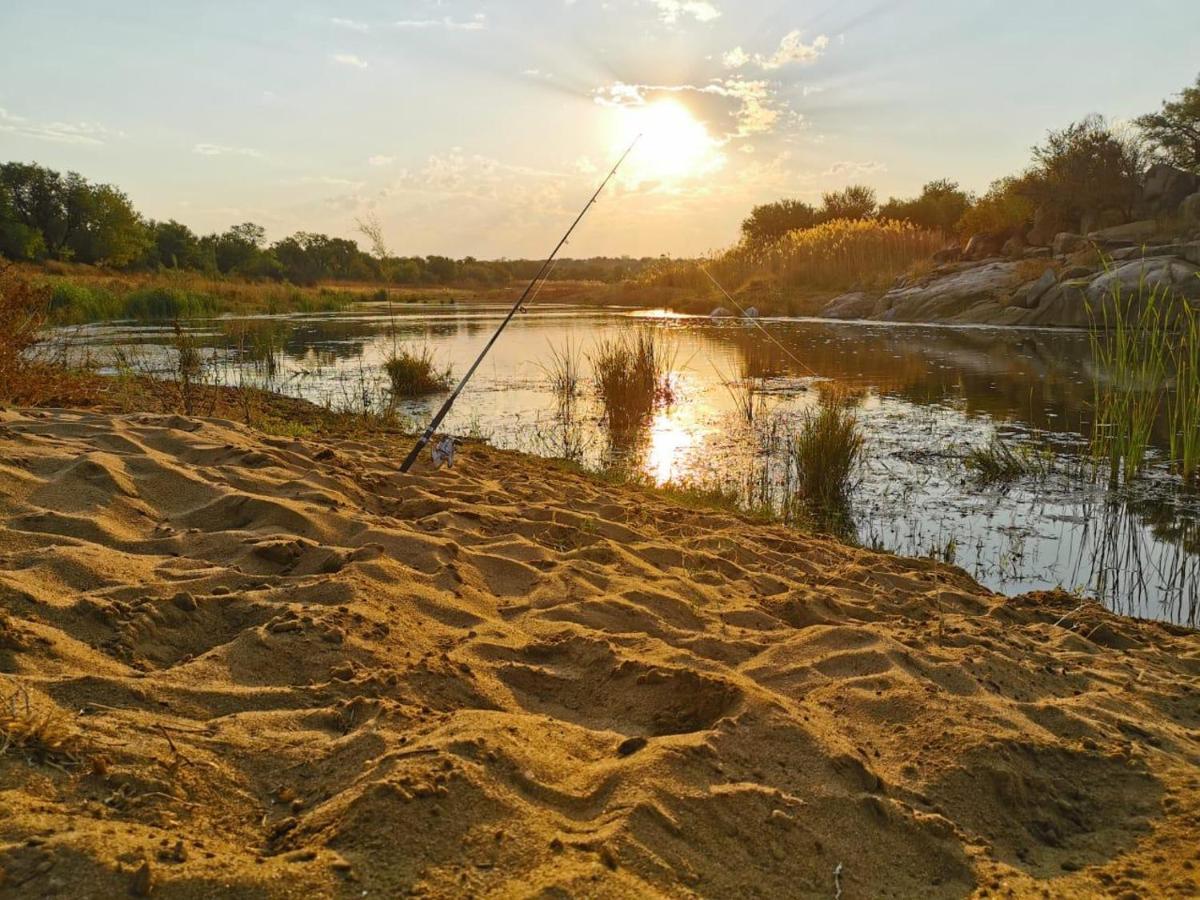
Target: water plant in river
414,372
999,461
825,453
564,369
632,375
1185,399
1130,341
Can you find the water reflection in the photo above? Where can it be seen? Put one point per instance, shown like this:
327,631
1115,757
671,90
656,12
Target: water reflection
925,396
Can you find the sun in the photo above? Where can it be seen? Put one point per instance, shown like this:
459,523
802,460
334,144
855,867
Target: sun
674,146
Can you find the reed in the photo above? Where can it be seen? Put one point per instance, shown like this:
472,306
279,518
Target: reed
632,376
1131,346
564,370
414,372
1185,399
825,455
999,461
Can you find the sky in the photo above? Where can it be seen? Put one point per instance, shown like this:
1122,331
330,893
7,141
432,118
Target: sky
480,127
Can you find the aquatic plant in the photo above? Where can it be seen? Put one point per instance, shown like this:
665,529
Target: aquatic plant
564,369
825,453
1185,399
999,461
413,372
632,375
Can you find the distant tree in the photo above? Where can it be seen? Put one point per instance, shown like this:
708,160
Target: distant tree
110,231
440,269
939,207
1005,208
1174,131
1084,169
17,240
176,246
854,202
47,202
771,221
238,248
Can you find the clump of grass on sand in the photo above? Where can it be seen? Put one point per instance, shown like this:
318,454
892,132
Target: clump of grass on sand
632,374
42,736
414,372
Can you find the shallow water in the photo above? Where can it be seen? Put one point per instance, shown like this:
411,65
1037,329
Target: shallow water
927,395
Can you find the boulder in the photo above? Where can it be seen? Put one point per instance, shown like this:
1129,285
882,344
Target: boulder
1014,247
1189,210
970,294
1164,188
1190,253
981,246
1071,273
720,313
1066,242
948,255
750,312
853,305
1043,230
1038,253
1129,233
1158,274
1038,289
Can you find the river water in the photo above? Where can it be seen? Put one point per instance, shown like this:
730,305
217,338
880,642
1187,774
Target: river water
925,396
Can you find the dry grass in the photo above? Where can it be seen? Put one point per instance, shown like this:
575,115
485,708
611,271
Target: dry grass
564,369
837,255
414,372
41,736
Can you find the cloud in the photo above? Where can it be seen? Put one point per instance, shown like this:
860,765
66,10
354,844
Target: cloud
792,49
349,59
330,181
730,108
223,150
350,24
670,11
478,22
380,160
845,167
59,132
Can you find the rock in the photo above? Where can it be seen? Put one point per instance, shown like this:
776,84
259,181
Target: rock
720,313
1038,253
143,881
1189,209
981,246
951,295
1066,242
1164,188
1129,233
1165,273
1039,288
1107,218
1064,305
1072,273
751,312
1190,253
852,305
948,255
1014,247
185,601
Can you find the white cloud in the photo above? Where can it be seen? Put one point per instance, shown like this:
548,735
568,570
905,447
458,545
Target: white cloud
59,132
223,150
330,181
350,24
846,167
729,108
380,160
349,59
792,49
670,11
476,23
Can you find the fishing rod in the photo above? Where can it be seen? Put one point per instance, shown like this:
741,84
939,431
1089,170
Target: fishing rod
424,439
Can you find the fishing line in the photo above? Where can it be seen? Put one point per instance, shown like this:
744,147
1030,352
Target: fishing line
758,324
525,295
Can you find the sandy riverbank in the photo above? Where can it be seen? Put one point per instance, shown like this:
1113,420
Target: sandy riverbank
276,668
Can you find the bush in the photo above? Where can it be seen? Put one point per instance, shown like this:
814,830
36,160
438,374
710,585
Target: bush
23,311
413,372
939,207
1004,210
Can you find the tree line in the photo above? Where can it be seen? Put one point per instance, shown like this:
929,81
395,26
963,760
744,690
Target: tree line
46,215
1087,174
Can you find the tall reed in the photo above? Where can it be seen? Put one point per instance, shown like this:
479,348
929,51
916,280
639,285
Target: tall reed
414,372
1185,400
825,455
632,375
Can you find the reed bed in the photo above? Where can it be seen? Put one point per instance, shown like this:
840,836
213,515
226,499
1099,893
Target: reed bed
632,376
1185,400
414,372
835,255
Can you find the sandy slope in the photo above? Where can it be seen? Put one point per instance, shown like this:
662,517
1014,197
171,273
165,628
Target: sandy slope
291,671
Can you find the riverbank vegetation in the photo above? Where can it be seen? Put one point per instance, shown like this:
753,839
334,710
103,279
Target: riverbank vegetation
414,372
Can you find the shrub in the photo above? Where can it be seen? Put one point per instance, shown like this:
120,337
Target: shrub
1004,209
23,310
413,372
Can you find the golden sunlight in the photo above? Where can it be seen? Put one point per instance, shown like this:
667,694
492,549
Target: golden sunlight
673,145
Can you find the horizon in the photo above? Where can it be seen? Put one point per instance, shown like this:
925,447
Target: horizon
470,130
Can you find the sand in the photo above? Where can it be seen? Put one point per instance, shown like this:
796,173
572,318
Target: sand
267,667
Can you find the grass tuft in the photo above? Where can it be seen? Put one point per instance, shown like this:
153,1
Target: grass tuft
413,372
826,452
632,374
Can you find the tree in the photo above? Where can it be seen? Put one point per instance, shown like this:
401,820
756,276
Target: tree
1004,210
238,248
939,207
176,246
110,232
46,202
1084,170
771,221
855,202
1174,131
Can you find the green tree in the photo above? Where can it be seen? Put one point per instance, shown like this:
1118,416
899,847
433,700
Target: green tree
771,221
176,246
939,207
110,231
854,202
1174,131
239,247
